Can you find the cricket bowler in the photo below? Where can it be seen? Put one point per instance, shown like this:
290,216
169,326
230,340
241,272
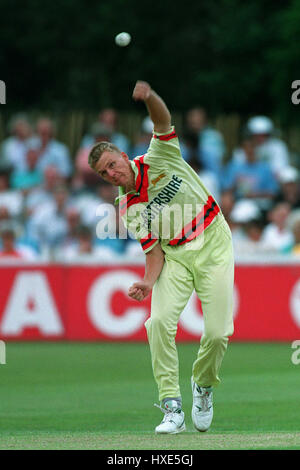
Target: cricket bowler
187,245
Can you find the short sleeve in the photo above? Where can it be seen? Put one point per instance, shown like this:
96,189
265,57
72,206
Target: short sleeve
148,242
147,239
163,148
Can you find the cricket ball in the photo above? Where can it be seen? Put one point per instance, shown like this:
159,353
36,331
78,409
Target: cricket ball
122,39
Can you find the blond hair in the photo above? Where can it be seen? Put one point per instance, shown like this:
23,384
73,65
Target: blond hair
98,149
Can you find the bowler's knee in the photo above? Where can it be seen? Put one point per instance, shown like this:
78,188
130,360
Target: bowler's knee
216,340
159,325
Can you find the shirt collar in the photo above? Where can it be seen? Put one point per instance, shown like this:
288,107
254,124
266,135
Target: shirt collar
121,188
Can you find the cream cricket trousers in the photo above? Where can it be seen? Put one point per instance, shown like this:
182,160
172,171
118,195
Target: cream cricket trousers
206,265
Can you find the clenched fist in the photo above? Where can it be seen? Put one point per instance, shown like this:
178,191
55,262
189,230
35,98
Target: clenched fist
139,290
142,91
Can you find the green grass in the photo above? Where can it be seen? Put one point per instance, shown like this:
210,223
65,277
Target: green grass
100,396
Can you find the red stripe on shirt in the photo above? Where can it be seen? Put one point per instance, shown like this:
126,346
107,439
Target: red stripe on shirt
147,241
165,137
141,187
198,224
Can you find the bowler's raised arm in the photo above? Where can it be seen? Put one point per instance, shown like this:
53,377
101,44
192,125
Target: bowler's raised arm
157,109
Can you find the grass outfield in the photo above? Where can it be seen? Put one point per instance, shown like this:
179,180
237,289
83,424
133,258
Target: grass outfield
100,396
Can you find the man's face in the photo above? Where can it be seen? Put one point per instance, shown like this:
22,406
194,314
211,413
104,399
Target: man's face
51,177
8,239
44,130
115,168
60,197
249,149
22,130
259,139
196,119
109,118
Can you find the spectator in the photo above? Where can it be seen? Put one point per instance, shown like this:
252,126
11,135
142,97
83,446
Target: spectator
107,193
276,235
253,242
10,199
86,250
14,148
289,187
143,139
247,235
99,213
48,224
268,147
211,147
208,177
294,224
227,203
109,118
250,178
31,176
243,212
70,240
296,232
4,214
10,249
109,230
45,193
85,178
84,246
73,223
51,151
88,204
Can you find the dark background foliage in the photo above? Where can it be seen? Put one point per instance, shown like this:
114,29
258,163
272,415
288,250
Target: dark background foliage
228,55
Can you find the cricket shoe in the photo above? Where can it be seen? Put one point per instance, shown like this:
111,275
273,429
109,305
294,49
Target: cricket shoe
173,421
202,410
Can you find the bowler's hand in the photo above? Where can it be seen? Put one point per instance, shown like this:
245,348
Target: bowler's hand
142,91
139,290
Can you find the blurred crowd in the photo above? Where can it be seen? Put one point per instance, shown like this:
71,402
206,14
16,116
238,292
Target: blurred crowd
50,200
